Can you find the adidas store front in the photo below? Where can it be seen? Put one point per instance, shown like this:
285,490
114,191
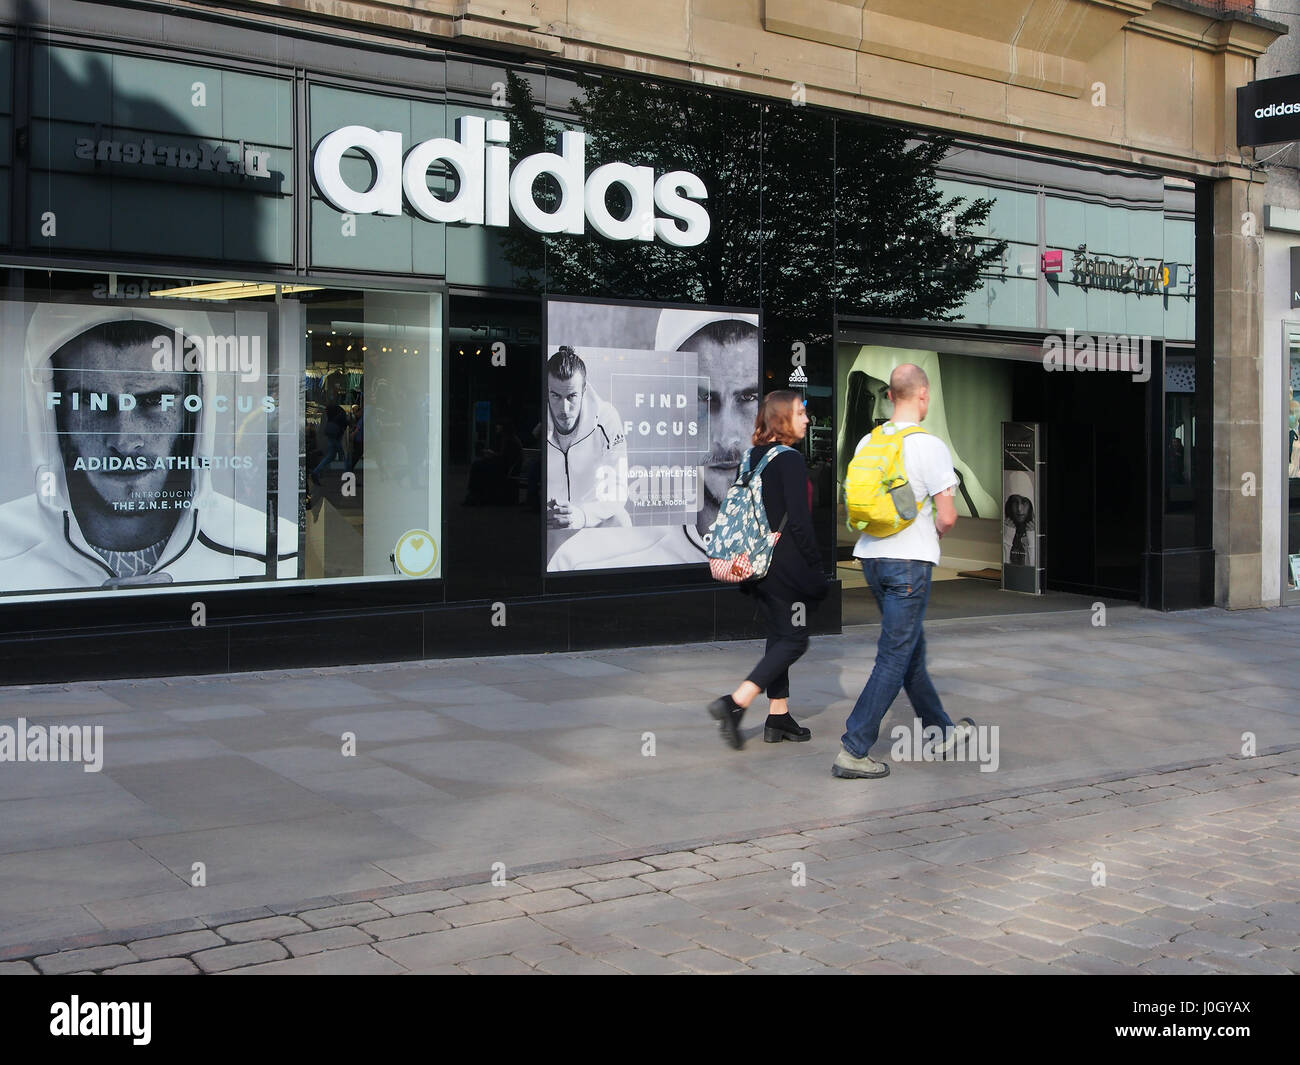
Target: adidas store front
321,351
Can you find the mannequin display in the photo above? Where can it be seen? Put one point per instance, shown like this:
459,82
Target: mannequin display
867,405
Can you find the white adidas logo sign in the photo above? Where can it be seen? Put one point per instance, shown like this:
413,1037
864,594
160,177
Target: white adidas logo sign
487,190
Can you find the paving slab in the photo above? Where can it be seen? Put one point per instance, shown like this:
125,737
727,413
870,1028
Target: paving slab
463,766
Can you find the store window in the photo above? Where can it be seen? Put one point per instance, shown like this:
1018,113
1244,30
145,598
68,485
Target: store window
372,386
495,447
207,433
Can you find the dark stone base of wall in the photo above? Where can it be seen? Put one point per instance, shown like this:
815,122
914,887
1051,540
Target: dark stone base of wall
61,653
1178,580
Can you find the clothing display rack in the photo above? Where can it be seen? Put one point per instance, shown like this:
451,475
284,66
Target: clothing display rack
320,380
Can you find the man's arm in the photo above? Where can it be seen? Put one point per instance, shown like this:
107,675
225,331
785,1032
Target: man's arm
945,511
935,468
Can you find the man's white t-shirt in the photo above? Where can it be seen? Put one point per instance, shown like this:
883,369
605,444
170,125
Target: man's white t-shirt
929,471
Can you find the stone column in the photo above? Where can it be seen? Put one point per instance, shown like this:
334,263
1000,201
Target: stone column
1238,425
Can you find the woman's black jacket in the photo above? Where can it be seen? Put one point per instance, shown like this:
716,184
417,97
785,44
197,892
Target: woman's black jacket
796,572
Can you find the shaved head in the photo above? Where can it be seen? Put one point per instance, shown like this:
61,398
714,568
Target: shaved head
907,381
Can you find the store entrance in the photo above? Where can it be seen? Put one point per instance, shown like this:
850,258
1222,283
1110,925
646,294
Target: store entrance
1094,484
1090,510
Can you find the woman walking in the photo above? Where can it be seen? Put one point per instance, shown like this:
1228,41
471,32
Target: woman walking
795,575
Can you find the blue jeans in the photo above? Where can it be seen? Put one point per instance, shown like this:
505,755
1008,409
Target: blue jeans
902,590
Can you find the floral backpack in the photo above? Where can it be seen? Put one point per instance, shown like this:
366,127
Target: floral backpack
740,542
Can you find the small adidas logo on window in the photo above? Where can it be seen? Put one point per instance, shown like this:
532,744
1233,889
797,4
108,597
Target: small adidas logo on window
798,379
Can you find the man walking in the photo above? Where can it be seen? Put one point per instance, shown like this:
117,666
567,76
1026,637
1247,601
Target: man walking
898,570
335,425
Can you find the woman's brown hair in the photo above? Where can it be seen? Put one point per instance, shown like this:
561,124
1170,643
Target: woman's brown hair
775,421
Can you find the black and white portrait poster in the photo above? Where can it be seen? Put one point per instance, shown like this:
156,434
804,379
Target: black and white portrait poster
137,448
649,411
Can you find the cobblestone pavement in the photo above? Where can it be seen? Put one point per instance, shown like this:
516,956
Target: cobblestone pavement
1189,868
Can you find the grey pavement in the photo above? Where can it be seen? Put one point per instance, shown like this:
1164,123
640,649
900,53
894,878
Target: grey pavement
575,813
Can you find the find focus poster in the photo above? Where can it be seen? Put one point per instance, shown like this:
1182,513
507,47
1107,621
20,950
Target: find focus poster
649,411
138,448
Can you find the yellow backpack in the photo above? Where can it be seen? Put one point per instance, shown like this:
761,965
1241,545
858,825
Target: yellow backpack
877,495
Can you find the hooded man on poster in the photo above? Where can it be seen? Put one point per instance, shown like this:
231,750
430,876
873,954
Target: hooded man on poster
129,416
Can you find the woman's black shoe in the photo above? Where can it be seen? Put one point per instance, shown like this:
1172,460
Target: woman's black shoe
780,727
725,710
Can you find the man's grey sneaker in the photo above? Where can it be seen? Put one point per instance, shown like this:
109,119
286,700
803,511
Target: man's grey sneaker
848,767
962,733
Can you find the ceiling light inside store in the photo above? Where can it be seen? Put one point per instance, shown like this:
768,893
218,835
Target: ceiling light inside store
231,290
383,330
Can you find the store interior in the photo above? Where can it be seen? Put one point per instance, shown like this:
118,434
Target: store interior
1087,421
371,373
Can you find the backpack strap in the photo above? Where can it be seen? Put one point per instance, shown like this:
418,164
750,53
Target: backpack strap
897,433
900,435
746,475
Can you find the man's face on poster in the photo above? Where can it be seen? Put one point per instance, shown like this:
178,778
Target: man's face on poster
564,399
150,430
732,400
882,408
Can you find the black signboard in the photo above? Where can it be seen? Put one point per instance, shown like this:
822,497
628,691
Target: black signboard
1295,277
1268,112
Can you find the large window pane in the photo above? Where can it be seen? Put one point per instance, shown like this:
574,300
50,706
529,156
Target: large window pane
372,387
169,432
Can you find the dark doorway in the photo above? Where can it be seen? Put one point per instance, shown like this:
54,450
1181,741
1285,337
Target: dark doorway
1094,484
